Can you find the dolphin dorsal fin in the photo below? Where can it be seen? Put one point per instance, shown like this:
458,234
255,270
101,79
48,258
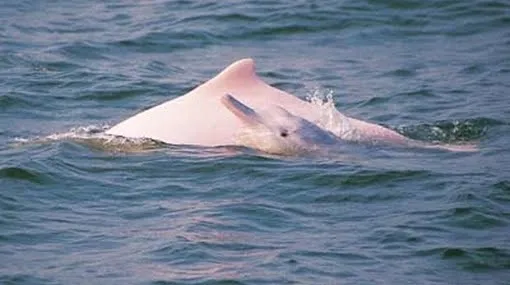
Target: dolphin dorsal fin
237,72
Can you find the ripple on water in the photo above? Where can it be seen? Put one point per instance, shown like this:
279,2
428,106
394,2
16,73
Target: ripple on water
365,178
18,101
25,279
501,191
475,218
18,173
450,131
473,259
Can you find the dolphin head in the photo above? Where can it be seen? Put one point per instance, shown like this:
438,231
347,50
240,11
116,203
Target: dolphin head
275,130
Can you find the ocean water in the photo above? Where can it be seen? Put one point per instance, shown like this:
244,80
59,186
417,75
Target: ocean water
74,210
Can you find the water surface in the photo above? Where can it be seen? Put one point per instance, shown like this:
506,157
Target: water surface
78,213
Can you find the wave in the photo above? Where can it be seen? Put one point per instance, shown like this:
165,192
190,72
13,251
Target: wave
473,259
453,131
19,173
94,136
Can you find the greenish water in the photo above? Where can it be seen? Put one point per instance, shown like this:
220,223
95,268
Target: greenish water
74,211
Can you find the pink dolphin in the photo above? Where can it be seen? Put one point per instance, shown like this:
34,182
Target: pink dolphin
214,114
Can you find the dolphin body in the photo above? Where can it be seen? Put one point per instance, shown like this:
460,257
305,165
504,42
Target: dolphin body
230,109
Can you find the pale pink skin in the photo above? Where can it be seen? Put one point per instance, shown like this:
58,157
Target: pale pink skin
200,118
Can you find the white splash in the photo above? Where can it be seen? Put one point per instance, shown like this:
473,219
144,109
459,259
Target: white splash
330,118
86,132
95,136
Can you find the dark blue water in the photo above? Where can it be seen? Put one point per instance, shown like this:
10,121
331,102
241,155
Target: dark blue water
77,211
